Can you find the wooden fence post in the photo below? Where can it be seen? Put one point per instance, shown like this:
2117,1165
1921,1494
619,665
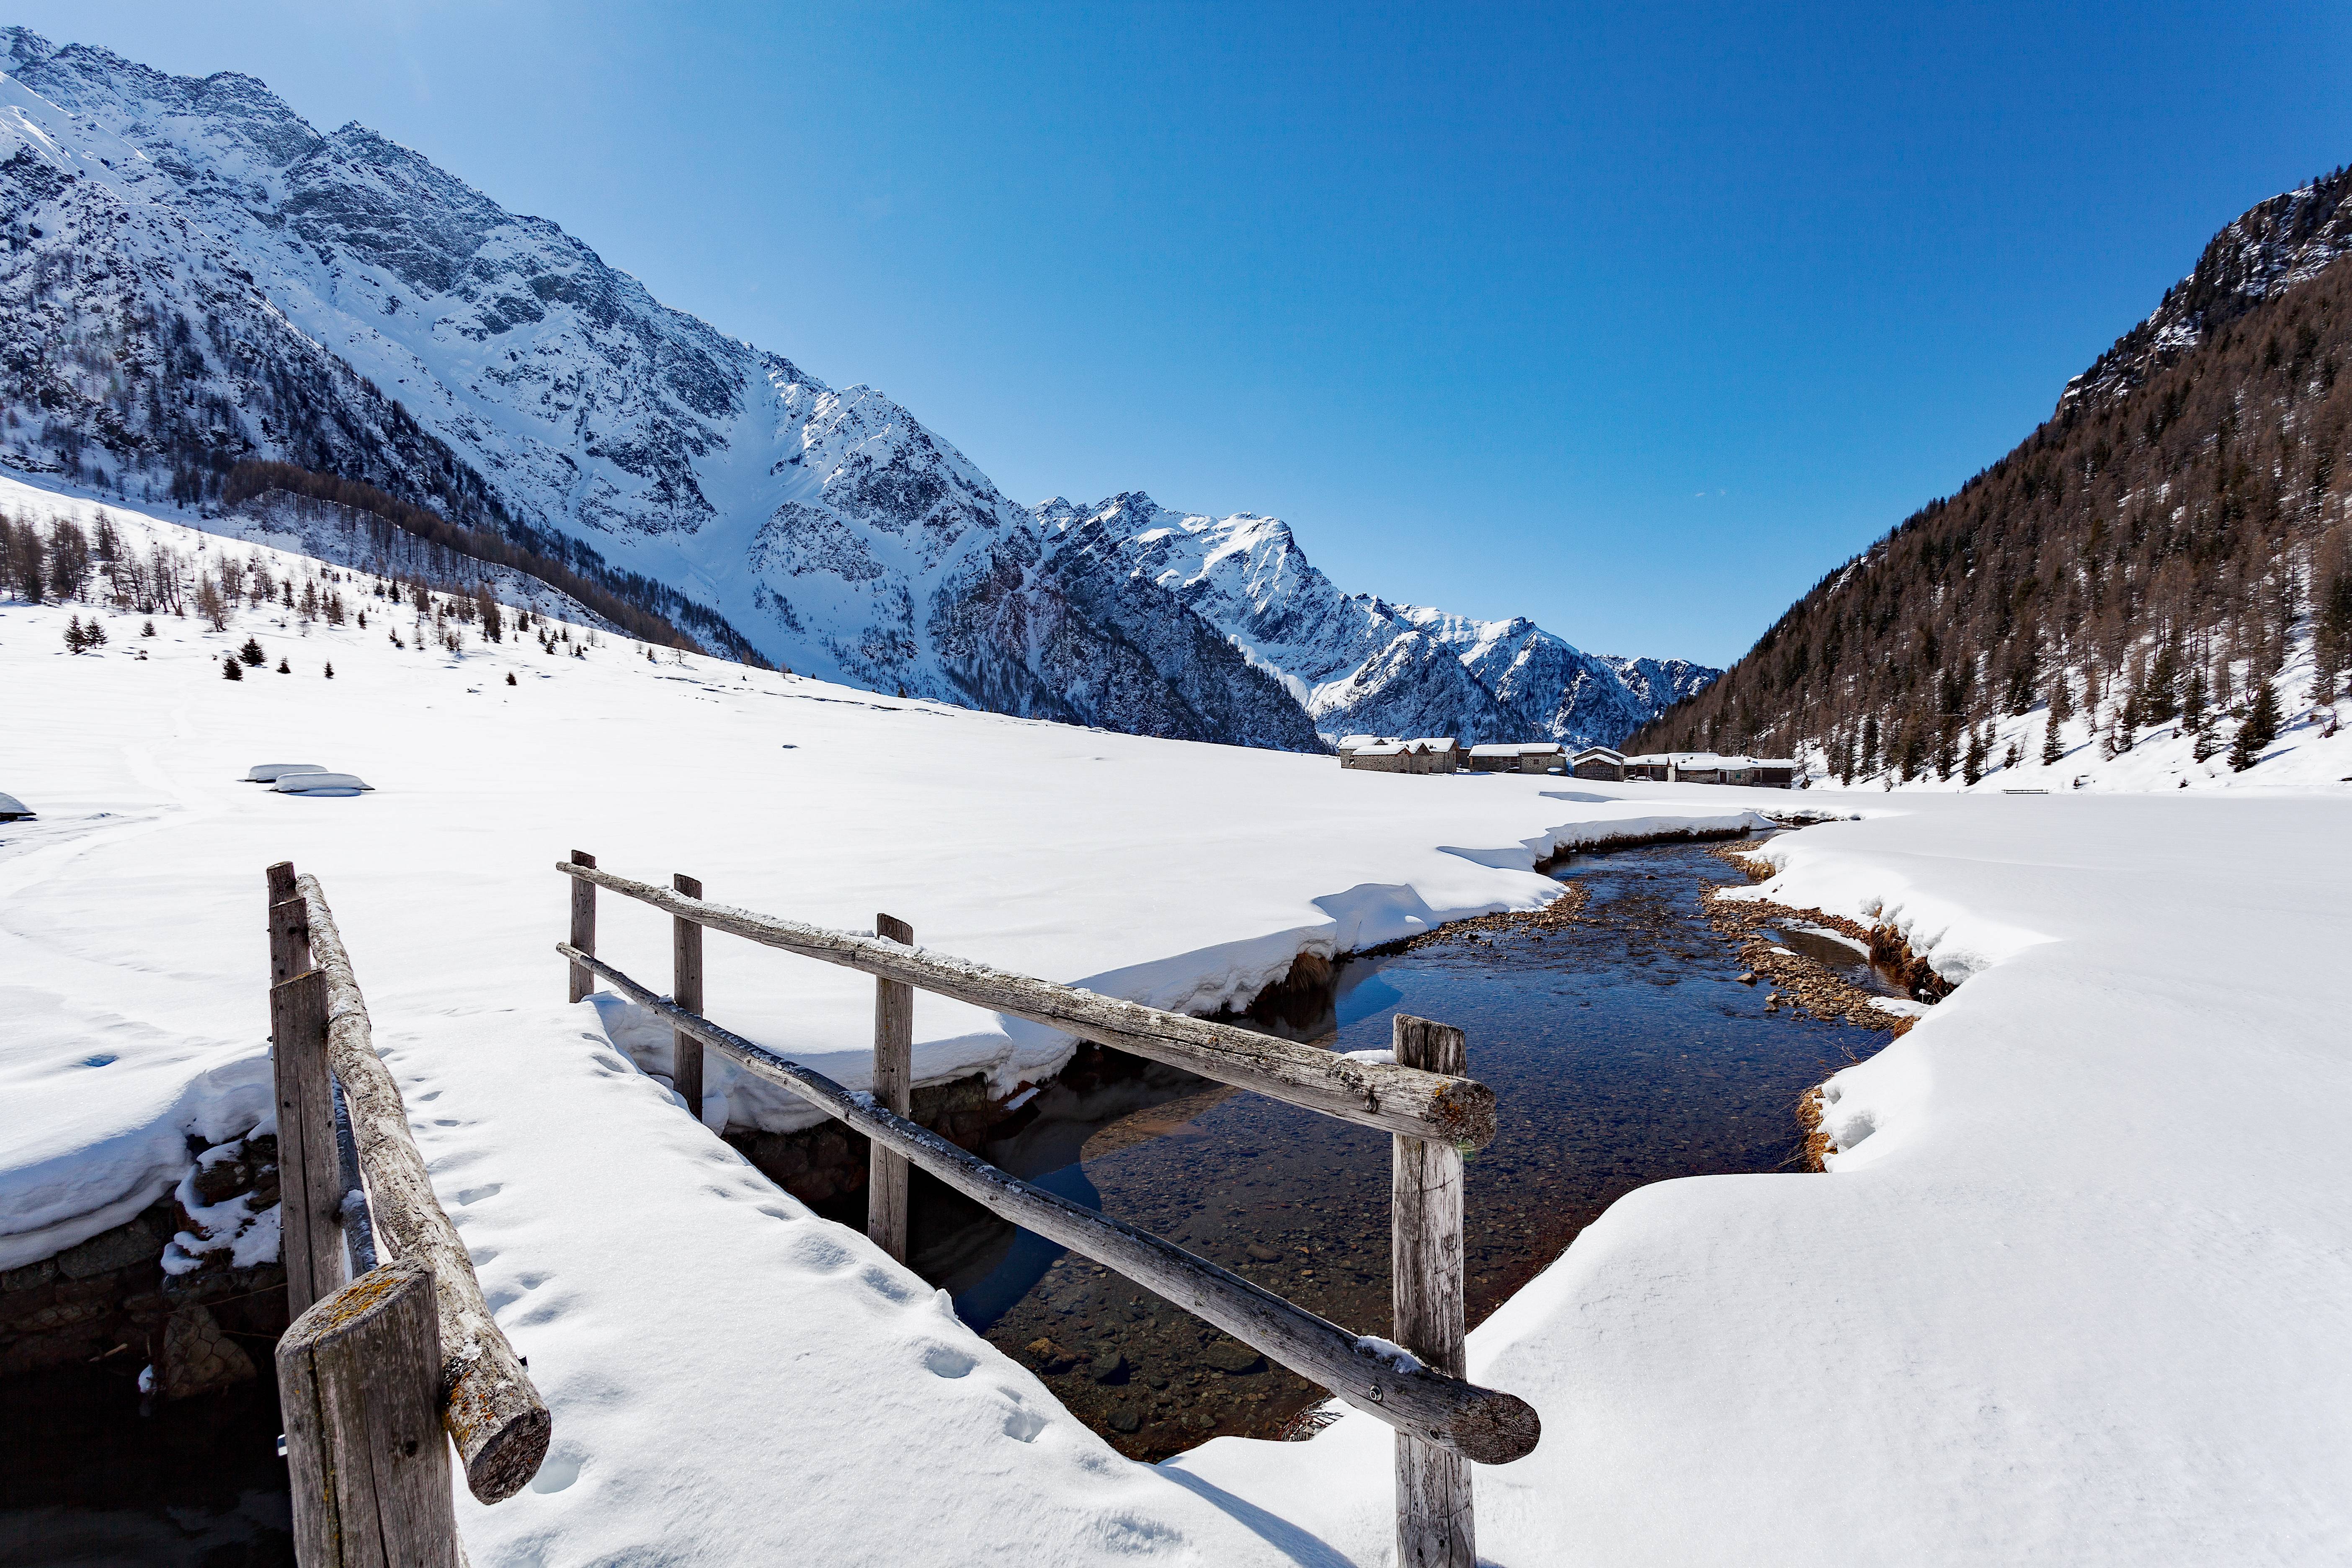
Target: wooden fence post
311,1191
1433,1523
686,990
359,1377
584,924
894,1073
290,925
309,1185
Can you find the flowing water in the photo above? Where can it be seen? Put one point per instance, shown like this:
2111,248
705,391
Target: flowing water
1621,1051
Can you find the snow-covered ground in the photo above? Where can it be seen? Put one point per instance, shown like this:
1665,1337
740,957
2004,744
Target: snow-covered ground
2313,751
2076,1292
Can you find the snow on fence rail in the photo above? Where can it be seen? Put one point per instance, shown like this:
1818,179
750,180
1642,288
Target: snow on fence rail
1444,1423
373,1369
1394,1098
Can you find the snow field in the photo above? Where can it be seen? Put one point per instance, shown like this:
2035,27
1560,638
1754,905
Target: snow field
683,1316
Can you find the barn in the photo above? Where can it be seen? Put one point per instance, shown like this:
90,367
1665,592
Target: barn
1515,758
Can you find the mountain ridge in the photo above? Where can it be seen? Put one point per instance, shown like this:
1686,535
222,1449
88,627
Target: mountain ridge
194,276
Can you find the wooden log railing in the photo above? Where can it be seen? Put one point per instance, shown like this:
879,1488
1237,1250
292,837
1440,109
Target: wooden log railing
1419,1104
374,1342
1433,1112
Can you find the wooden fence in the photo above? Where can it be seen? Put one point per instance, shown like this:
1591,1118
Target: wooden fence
1433,1112
381,1358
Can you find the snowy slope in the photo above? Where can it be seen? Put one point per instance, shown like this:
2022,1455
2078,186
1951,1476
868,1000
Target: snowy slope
1359,663
193,274
2313,750
2076,1292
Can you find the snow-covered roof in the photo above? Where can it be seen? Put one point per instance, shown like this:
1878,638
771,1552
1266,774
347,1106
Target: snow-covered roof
270,773
1517,749
1435,743
11,806
1612,753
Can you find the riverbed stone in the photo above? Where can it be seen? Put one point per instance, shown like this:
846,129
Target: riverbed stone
1126,1418
1231,1356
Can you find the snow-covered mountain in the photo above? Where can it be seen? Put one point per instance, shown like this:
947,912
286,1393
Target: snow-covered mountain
192,275
1359,663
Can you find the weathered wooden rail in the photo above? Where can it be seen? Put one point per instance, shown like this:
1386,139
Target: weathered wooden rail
1416,1383
381,1358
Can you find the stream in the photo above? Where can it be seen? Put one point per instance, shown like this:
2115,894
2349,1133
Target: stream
1622,1051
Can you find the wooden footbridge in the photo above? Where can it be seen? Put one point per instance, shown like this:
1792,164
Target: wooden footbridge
408,1345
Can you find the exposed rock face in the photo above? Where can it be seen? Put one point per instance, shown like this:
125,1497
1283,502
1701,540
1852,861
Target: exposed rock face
192,275
2268,250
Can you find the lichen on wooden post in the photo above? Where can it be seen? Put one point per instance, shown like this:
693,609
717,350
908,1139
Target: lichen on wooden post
359,1379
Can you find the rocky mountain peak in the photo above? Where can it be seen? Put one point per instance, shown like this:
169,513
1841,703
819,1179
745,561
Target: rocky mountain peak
2268,250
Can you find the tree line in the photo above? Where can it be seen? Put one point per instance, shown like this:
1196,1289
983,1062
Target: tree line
2149,556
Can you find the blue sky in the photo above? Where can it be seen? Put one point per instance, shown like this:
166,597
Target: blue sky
1635,321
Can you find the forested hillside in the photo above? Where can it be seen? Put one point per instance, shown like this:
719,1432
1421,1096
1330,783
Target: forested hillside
2149,556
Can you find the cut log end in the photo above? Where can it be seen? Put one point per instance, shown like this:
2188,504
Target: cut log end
508,1457
1494,1431
1466,1113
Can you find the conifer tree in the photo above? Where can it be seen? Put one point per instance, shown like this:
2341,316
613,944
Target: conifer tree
251,654
230,668
2259,730
1973,768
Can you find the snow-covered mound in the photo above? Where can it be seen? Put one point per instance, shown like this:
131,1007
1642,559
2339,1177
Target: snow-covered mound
1359,663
